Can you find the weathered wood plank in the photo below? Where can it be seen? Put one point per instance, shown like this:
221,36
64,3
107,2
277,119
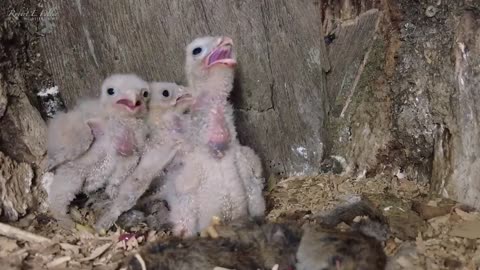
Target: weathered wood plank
280,89
463,148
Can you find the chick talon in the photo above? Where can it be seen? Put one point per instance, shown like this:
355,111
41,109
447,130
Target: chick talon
216,220
210,231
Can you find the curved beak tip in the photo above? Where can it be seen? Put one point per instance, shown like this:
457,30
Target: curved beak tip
226,41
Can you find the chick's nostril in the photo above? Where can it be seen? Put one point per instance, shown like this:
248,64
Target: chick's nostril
138,103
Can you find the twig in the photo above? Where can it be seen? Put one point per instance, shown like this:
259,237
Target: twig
141,261
12,232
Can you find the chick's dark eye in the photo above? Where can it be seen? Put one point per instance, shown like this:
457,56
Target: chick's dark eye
145,94
166,93
110,91
197,51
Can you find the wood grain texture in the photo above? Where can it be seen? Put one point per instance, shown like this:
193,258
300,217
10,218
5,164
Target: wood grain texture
463,180
352,40
280,90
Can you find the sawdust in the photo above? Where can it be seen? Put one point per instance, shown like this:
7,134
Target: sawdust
442,237
446,240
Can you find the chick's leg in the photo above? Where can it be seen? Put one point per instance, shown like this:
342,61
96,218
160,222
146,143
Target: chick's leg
125,167
183,216
182,200
250,169
67,182
134,186
99,174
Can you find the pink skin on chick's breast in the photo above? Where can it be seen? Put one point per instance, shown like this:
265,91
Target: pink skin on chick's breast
218,133
125,142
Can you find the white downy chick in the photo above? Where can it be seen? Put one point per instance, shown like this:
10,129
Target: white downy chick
168,102
124,98
210,183
248,163
98,138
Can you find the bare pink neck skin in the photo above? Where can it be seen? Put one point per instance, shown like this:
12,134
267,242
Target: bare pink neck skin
213,94
219,136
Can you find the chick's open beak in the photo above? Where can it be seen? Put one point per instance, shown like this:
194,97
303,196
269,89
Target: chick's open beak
132,101
183,98
222,54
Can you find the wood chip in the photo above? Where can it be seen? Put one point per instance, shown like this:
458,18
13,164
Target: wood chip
432,203
8,245
73,248
404,262
467,229
58,261
121,245
97,252
421,247
12,232
84,234
464,215
428,211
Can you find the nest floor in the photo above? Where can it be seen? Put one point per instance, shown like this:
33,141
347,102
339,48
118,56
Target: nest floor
427,233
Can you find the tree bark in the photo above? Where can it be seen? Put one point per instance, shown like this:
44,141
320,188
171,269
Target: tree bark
280,90
22,129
